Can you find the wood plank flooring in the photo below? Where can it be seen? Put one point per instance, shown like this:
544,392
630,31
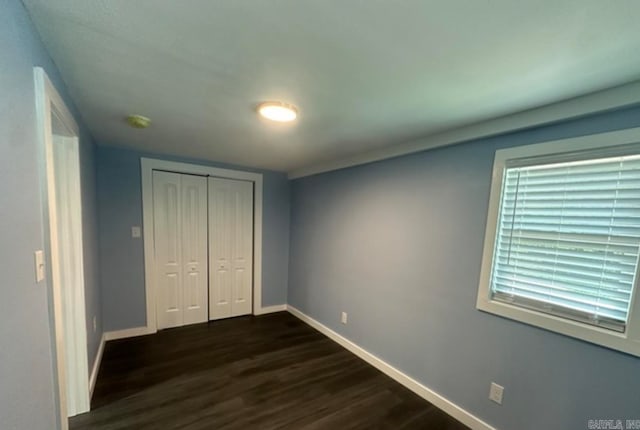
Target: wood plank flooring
267,372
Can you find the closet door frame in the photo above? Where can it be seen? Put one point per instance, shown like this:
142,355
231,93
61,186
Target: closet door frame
148,165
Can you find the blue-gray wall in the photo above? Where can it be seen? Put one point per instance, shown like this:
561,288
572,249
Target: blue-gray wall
122,257
88,183
398,245
27,392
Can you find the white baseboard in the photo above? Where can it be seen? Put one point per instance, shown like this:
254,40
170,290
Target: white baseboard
129,332
271,309
426,393
142,331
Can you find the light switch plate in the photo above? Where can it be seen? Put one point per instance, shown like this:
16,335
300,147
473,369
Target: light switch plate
135,231
39,262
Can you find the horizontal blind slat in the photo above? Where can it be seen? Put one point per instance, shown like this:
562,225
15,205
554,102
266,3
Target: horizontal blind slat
608,271
566,298
611,291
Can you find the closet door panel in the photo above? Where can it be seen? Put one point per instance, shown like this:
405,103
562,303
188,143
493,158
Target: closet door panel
230,247
220,249
242,247
168,253
194,248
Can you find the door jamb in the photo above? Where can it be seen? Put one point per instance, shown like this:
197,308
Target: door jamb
148,165
46,97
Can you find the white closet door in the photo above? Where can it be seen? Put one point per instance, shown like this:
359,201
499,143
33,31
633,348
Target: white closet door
167,231
194,248
242,252
230,247
220,246
180,234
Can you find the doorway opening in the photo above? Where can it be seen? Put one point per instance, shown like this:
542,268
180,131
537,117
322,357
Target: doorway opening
62,214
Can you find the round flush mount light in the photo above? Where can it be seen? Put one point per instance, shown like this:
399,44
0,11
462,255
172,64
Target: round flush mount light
138,121
278,111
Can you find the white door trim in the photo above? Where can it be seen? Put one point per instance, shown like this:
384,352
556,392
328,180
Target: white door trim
96,365
148,165
48,98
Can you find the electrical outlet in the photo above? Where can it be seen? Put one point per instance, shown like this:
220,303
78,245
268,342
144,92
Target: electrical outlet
135,231
343,318
95,324
495,393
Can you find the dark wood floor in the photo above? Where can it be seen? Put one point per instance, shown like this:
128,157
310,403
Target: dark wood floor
268,372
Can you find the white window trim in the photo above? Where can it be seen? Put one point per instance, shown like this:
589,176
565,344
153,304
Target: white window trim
629,341
148,165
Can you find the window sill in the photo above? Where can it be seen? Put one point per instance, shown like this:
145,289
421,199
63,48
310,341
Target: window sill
608,338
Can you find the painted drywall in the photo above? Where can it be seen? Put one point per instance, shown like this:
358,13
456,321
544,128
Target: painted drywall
398,245
122,257
93,296
27,391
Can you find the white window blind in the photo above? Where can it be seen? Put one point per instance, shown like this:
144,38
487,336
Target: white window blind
568,238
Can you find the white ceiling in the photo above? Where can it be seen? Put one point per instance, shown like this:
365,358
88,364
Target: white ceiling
364,73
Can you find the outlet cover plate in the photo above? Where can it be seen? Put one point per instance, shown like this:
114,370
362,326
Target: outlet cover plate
495,393
135,231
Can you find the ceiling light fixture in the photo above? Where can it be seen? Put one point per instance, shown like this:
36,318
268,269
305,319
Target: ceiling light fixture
138,121
278,111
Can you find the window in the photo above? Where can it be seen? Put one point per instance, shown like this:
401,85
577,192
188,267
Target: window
563,238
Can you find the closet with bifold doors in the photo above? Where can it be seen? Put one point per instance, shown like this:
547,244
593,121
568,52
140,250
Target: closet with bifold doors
203,236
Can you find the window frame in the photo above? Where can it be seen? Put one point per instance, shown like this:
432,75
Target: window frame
627,341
